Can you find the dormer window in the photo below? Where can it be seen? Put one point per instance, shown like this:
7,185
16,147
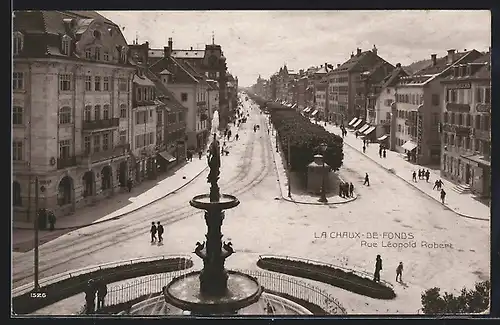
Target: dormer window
123,54
66,45
88,53
18,42
105,56
469,70
97,54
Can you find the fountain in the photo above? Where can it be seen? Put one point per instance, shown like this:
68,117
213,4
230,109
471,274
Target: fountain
213,290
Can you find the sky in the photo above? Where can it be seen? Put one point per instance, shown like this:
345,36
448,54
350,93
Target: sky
260,42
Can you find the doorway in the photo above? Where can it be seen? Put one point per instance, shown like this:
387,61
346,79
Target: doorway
467,174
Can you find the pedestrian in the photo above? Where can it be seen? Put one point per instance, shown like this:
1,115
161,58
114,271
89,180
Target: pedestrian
443,195
52,220
364,148
427,175
351,190
384,153
378,268
159,229
229,134
225,133
436,185
380,151
414,176
153,232
90,293
399,272
341,189
102,291
440,185
367,180
237,136
129,184
346,190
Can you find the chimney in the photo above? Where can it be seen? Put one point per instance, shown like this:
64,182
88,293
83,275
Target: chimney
338,65
451,54
326,66
433,58
170,44
191,48
398,65
147,45
358,51
374,50
352,55
166,51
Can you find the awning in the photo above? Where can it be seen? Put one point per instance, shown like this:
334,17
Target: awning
307,109
294,106
168,157
364,128
409,145
315,112
358,122
478,159
354,119
369,130
382,138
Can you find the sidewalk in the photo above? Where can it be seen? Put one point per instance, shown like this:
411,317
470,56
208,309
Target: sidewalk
123,203
283,180
464,205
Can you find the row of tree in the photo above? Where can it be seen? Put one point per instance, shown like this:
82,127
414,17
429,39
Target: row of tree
304,138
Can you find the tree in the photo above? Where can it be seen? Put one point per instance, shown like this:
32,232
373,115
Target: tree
468,302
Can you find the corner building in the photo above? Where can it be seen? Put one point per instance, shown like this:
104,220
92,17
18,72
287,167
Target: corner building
71,109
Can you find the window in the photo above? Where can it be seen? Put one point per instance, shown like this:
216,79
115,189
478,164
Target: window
123,137
105,142
18,42
122,85
16,194
435,118
105,56
87,113
452,115
97,53
17,115
460,119
159,118
97,112
145,94
399,127
467,143
123,111
435,99
17,81
141,117
468,120
150,113
487,95
477,122
17,151
97,143
105,112
64,149
151,138
65,115
105,84
66,45
479,95
86,144
461,96
64,82
88,83
184,97
88,53
138,94
181,117
97,83
476,145
172,118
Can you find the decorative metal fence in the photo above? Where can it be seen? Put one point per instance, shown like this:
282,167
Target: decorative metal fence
359,273
152,285
62,276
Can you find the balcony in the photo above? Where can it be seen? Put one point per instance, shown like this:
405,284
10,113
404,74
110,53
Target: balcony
94,157
482,135
201,103
101,124
66,162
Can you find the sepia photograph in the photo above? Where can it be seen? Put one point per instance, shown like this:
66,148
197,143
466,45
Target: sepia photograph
239,163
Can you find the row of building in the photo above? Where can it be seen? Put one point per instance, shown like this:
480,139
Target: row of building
439,114
91,112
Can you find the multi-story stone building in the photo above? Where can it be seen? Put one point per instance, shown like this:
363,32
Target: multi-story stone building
416,114
386,97
320,100
466,126
71,106
352,85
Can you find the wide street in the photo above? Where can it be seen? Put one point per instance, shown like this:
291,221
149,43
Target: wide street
263,224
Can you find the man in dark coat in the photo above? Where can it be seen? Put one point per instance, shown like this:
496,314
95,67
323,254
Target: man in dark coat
159,229
129,185
90,293
351,190
52,220
378,268
153,232
367,180
341,189
102,291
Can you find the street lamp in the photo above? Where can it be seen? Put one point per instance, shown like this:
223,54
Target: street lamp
322,147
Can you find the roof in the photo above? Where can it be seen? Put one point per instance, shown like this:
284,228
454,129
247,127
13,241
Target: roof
188,54
213,84
477,69
166,96
392,79
156,53
142,81
177,68
165,71
43,30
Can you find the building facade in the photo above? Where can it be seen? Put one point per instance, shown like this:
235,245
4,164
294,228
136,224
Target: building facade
71,104
466,126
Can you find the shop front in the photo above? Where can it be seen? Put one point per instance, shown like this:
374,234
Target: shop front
410,148
477,174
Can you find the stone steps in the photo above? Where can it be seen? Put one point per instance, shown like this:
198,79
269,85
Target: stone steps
461,189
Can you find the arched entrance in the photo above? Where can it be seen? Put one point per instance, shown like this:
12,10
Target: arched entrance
106,178
65,191
16,194
88,183
122,172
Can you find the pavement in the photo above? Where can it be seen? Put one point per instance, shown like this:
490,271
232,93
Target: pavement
283,179
464,205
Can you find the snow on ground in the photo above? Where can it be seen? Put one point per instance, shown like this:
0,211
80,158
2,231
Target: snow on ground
263,225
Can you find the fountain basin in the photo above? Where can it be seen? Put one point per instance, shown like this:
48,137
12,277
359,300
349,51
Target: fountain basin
225,202
184,292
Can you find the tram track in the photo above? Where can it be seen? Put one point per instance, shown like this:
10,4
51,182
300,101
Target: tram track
236,185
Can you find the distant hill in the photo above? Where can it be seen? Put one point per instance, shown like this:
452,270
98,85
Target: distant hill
417,66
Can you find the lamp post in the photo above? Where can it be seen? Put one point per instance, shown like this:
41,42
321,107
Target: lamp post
323,146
